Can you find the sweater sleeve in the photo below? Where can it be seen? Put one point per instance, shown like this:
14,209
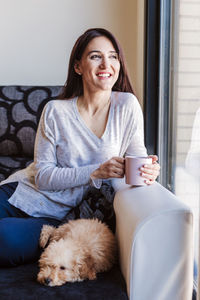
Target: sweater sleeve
49,175
136,145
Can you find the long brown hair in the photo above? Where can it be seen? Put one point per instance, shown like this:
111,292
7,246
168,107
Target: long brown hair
73,86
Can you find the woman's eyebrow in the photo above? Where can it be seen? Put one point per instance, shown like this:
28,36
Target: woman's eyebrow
98,51
93,51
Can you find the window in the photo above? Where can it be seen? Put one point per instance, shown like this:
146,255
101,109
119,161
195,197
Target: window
184,103
172,97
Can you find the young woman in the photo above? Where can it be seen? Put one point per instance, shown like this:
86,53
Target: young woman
82,139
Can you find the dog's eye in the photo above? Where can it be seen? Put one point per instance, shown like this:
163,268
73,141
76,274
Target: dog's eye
62,267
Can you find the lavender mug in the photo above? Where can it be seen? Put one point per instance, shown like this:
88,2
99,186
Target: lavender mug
132,169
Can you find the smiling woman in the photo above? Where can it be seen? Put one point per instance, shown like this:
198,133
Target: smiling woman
82,139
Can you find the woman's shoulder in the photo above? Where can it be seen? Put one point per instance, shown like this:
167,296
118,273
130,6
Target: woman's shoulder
58,105
125,99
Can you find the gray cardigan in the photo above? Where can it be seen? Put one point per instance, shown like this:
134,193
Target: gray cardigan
67,152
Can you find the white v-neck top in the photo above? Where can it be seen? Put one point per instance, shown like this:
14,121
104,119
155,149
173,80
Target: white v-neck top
67,152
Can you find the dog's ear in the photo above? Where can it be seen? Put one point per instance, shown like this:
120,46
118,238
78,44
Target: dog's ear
86,268
61,232
91,272
46,234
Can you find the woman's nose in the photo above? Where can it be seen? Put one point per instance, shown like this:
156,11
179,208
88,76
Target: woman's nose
104,63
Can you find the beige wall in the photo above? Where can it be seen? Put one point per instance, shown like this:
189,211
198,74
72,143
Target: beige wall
131,36
37,36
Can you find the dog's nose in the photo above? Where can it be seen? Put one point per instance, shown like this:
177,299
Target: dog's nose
47,281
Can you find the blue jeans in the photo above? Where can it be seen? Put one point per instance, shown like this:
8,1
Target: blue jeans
19,232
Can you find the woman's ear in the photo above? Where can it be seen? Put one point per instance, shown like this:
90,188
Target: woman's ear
77,68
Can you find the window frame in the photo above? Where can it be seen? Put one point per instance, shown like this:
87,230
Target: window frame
157,104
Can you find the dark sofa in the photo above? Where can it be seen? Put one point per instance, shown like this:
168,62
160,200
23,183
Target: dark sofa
153,228
20,110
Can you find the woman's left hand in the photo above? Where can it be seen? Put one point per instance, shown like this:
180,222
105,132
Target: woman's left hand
151,171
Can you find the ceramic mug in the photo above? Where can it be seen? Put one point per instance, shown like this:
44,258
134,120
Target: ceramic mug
132,169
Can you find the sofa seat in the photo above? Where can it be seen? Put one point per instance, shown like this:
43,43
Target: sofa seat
20,283
9,165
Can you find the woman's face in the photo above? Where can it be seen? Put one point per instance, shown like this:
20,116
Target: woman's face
99,65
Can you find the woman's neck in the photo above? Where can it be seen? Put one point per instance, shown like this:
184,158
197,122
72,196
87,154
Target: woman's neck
94,103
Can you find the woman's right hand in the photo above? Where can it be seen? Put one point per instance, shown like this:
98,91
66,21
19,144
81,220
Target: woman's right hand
112,168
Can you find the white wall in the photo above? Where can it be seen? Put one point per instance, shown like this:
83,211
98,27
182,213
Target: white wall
37,37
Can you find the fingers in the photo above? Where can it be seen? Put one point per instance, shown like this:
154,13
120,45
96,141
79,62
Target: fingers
115,167
119,160
151,168
151,171
112,168
154,158
150,182
149,177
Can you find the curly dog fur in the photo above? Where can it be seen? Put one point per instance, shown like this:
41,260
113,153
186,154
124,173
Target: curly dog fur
76,251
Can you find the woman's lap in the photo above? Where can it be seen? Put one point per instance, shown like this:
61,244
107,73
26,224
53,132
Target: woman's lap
19,233
19,240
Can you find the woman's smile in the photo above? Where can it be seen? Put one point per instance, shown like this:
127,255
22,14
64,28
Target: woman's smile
104,75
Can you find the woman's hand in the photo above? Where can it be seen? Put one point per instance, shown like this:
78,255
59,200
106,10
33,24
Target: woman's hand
112,168
151,171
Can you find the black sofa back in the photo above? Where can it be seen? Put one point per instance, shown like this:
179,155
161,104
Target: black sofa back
20,111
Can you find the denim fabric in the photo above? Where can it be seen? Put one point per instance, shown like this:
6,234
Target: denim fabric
19,233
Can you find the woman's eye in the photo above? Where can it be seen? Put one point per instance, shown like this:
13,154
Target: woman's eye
114,56
62,267
95,56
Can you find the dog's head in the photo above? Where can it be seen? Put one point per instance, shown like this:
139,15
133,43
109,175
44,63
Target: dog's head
63,261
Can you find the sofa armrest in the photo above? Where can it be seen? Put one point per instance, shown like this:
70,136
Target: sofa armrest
155,237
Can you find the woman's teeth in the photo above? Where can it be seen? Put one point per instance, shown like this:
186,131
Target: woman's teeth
104,75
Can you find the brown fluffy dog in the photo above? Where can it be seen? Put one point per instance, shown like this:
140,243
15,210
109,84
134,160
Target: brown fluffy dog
77,251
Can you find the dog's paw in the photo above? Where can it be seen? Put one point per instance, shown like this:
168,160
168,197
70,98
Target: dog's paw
92,275
46,233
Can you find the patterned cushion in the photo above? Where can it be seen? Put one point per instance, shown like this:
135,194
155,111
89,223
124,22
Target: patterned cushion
20,111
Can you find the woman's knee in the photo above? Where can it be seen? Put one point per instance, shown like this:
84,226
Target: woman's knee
19,239
18,245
